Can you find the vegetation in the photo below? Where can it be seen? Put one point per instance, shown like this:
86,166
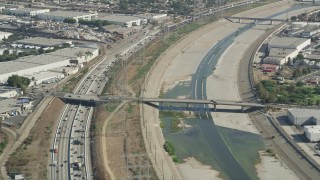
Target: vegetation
97,23
3,144
168,147
70,21
110,107
298,93
71,84
142,70
18,81
11,38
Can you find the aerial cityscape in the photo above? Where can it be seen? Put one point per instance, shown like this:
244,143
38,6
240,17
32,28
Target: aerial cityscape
159,89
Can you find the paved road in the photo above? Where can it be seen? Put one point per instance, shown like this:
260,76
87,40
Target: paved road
72,134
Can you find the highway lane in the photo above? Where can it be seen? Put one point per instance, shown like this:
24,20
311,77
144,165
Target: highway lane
80,117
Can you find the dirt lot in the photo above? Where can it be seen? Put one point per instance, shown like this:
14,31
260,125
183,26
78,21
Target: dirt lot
126,152
31,158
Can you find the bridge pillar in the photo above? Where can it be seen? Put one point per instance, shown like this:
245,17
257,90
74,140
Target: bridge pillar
271,22
255,21
239,20
243,108
215,107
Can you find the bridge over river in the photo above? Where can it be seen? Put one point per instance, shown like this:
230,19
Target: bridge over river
162,103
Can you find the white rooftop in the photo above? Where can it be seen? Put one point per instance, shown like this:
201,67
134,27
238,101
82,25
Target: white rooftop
280,52
287,41
67,13
306,113
40,60
118,18
43,41
312,129
43,75
28,9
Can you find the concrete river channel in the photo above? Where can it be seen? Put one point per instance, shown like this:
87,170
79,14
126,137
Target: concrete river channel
232,152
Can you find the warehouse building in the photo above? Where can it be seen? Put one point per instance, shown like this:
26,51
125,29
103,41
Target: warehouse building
43,42
62,15
312,133
124,20
32,12
9,92
280,56
304,116
289,43
45,77
152,16
32,64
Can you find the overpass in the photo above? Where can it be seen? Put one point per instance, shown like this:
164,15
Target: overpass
232,18
150,101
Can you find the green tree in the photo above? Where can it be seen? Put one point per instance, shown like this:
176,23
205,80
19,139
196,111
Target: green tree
18,81
123,4
41,51
70,21
293,18
6,52
299,83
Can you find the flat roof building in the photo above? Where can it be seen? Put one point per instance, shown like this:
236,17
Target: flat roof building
312,133
32,64
62,15
43,42
45,77
123,20
151,16
32,12
280,55
289,43
304,116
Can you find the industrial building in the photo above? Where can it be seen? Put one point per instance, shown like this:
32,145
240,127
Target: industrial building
45,77
152,16
124,20
9,92
32,12
29,65
62,15
304,116
43,42
312,133
289,43
280,55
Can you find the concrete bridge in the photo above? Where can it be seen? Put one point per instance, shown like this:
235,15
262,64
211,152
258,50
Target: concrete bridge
256,20
76,98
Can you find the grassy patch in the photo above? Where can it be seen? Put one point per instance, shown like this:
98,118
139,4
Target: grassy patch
71,84
129,108
168,147
4,143
111,107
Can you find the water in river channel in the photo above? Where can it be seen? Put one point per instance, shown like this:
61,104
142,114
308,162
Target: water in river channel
186,133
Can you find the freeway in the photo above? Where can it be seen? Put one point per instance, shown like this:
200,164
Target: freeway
70,156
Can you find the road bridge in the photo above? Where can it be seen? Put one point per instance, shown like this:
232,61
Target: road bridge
256,20
76,98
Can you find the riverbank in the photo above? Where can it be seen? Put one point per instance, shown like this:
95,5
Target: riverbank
178,64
